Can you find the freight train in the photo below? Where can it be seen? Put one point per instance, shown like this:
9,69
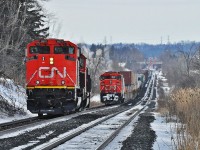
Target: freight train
112,88
115,87
57,79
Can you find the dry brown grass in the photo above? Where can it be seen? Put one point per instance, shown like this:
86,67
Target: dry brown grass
185,103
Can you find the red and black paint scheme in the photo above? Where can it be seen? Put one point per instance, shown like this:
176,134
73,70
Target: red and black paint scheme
112,88
57,79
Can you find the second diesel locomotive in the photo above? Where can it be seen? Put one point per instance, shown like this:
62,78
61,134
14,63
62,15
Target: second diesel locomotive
112,88
57,79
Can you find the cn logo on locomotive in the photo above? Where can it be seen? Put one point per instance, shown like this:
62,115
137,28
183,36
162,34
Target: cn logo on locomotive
53,69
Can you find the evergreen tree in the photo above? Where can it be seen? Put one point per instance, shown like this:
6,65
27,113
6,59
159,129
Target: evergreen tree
21,22
36,20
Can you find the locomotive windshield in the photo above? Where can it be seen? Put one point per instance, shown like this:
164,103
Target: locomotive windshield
39,50
110,77
63,50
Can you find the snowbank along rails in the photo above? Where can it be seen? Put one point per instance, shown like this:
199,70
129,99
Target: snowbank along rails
99,133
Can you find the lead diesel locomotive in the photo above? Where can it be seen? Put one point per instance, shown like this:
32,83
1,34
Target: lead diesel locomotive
57,79
112,88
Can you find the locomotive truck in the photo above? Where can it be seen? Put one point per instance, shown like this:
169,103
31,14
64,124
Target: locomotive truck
112,88
57,79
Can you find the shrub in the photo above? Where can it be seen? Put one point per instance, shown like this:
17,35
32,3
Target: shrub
185,103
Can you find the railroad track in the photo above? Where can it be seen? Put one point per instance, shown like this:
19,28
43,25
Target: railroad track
71,138
13,126
110,125
17,123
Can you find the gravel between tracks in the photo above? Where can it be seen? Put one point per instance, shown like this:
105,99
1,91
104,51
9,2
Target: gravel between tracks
142,137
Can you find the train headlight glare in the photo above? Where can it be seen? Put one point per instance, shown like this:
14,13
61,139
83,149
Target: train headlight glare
62,82
37,82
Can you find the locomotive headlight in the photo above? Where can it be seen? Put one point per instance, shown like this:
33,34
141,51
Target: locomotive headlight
51,61
62,82
37,82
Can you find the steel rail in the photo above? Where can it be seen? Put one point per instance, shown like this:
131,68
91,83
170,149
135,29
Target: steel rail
17,123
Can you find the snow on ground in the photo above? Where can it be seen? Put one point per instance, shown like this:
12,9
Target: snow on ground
14,95
165,85
95,98
164,132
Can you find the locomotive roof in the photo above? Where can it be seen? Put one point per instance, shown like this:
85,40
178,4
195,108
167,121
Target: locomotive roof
113,73
52,41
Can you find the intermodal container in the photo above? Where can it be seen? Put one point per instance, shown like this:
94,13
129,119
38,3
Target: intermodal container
128,77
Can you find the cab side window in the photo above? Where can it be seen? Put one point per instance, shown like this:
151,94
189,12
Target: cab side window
34,50
60,50
71,50
39,50
63,50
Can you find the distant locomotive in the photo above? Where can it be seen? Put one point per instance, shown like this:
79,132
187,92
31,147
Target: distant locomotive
112,88
57,79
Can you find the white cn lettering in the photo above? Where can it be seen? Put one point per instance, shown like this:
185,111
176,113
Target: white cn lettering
52,72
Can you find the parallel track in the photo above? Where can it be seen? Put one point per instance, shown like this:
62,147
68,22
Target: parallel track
10,127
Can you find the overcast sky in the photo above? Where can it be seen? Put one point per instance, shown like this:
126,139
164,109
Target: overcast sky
126,21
